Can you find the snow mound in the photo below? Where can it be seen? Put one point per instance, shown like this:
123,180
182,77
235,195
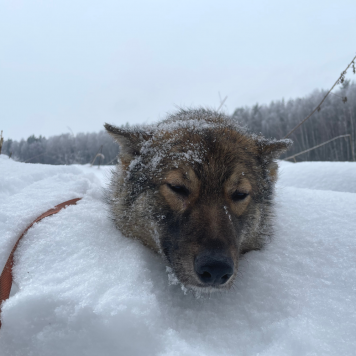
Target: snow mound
84,289
336,176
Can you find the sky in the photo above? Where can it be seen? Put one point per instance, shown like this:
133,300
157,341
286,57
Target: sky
70,66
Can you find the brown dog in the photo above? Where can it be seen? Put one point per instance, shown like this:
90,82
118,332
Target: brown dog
196,188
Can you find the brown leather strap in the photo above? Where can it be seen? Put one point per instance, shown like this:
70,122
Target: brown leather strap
6,275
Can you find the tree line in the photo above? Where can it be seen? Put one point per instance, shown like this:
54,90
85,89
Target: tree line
64,149
336,117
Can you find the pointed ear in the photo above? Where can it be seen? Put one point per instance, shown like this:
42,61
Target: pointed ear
272,149
130,140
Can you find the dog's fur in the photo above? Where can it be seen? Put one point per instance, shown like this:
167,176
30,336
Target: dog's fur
194,182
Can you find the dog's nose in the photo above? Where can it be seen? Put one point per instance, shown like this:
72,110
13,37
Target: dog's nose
213,268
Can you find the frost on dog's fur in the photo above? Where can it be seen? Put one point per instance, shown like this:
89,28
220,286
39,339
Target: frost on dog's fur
197,189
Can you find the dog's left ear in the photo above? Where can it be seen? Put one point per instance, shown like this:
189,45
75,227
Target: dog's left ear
130,140
271,150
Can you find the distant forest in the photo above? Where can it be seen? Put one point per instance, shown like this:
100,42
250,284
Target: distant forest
64,149
336,117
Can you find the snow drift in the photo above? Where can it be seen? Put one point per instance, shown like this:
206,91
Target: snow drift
83,289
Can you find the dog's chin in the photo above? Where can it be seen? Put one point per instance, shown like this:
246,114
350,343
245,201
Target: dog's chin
204,290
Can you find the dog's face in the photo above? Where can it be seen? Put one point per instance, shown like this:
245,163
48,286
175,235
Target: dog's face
205,187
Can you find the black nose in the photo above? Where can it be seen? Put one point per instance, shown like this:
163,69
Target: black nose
213,268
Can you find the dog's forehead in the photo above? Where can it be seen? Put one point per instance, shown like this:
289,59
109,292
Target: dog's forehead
213,155
207,140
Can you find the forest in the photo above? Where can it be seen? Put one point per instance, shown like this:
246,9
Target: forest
64,149
336,117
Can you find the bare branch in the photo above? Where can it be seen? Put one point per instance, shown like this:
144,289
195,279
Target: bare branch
310,149
339,80
222,103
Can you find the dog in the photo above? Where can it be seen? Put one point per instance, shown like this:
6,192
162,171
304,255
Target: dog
196,188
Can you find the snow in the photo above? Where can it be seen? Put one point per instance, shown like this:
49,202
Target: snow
83,289
335,176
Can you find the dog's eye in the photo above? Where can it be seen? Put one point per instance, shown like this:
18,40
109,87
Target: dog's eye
237,196
179,189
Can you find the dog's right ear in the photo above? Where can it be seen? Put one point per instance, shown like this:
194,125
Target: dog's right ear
130,140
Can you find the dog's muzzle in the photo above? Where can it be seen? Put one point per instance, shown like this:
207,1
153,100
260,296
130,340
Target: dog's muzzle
213,268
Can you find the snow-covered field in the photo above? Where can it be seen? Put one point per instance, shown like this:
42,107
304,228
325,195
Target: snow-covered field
83,289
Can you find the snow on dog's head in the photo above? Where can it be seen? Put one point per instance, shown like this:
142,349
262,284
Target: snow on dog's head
197,189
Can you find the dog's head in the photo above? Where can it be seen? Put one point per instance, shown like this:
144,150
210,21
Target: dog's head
198,189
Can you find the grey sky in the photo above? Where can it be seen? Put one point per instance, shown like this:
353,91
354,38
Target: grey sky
80,63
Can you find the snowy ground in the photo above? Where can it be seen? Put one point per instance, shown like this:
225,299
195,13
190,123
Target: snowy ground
86,290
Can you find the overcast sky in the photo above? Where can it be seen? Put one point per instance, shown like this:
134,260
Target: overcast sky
75,64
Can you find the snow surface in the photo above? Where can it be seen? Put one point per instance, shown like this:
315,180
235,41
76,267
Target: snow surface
336,176
83,289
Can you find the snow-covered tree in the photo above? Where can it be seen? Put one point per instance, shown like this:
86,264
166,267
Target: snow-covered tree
336,117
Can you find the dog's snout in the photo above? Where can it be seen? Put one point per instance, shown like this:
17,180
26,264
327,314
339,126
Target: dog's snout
213,268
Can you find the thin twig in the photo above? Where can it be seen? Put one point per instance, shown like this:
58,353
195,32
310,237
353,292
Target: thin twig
342,75
71,131
322,144
100,155
112,160
96,155
222,103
